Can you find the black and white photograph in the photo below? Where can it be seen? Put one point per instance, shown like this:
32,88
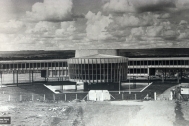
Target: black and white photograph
94,62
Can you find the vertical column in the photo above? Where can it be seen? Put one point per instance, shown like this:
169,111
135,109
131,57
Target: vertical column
107,69
88,71
181,73
66,65
13,76
47,74
114,70
100,70
32,77
85,71
1,77
75,86
162,75
117,70
165,73
29,76
17,77
178,76
92,71
58,69
96,71
81,70
52,69
111,70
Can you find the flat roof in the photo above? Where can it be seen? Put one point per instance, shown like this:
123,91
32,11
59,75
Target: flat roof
160,58
34,61
96,56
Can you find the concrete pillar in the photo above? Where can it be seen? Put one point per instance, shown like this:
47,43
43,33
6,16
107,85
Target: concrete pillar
17,78
162,76
29,77
155,98
32,77
76,87
171,95
13,76
1,77
165,73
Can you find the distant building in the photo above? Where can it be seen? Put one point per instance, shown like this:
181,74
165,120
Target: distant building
97,69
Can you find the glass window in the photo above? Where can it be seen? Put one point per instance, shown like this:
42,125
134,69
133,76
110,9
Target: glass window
19,65
167,62
175,62
27,65
38,65
156,62
138,63
179,62
182,62
142,62
153,62
138,70
186,62
149,62
145,63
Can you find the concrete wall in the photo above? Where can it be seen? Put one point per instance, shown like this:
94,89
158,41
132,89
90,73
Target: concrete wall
88,52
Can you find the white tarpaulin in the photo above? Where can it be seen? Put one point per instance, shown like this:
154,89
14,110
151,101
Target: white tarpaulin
184,90
99,95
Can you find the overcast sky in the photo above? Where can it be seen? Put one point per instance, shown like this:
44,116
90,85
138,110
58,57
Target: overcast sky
81,24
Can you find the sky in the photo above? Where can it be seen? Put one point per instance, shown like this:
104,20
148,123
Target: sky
93,24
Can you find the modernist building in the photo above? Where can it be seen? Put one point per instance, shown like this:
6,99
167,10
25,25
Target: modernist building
95,68
98,71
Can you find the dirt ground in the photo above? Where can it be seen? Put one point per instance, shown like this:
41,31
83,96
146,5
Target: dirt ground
88,113
114,113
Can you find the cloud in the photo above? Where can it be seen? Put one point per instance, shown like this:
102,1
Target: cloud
6,10
183,22
164,16
170,34
160,32
97,25
183,34
154,31
138,31
67,29
153,5
42,28
12,26
182,4
51,10
128,6
119,6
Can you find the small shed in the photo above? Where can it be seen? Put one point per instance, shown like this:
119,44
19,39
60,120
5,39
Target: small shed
99,95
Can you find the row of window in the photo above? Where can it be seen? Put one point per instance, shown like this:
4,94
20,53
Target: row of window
97,77
97,66
138,71
159,62
32,65
99,71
